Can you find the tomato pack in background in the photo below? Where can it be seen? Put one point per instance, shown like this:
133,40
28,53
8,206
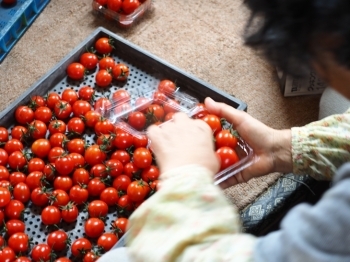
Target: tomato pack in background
63,156
124,12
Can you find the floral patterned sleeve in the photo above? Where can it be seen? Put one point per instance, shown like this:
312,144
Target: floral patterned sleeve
319,148
188,219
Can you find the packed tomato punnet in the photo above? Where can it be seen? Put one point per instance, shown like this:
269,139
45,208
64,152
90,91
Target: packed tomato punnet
76,163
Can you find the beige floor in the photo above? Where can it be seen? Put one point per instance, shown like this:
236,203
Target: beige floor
200,37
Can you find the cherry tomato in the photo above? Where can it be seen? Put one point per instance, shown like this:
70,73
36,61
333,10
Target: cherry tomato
129,6
121,182
22,259
107,241
94,155
34,179
35,164
104,45
49,172
121,155
14,209
106,62
101,104
123,140
14,226
76,71
58,140
81,176
57,240
17,177
94,227
130,169
80,247
104,126
64,165
43,113
63,182
57,126
19,242
167,87
4,173
36,102
7,254
41,147
91,256
51,100
69,213
4,135
150,173
125,204
21,192
63,259
95,186
5,196
155,113
171,105
39,197
214,122
103,78
86,93
98,170
55,153
138,190
24,115
97,208
89,60
59,198
41,252
76,126
114,5
78,159
120,72
78,194
228,157
80,108
50,215
19,132
225,138
37,129
106,141
13,145
91,118
110,196
137,120
62,109
120,225
120,96
114,167
159,98
70,96
142,157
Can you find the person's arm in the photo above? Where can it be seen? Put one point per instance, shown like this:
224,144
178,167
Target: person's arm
321,147
313,233
188,219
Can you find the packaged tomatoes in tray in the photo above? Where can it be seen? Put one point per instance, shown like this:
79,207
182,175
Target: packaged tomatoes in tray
134,113
125,13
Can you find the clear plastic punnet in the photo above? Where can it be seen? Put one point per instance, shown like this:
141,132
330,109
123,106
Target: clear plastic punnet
143,105
244,152
122,20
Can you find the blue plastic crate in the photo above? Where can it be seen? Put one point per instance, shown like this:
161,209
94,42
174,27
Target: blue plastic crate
14,21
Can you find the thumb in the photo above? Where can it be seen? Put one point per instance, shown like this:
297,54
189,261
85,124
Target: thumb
232,115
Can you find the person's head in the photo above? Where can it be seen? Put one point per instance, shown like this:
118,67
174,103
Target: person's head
299,35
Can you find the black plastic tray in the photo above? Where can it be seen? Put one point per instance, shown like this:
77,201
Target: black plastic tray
145,70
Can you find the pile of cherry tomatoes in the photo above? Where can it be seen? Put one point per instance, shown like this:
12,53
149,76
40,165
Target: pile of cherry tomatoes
46,162
125,7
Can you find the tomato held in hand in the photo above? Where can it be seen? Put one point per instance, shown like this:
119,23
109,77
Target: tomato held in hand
225,138
214,122
228,157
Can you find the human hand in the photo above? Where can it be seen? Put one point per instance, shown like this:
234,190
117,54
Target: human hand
183,141
272,147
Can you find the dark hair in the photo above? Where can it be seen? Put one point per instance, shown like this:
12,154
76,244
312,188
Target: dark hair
289,32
